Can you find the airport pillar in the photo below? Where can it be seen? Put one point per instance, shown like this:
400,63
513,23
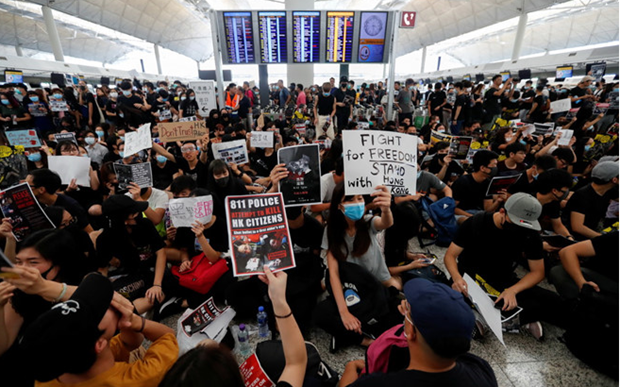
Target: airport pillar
18,50
52,32
344,72
157,58
263,85
516,48
423,60
217,59
392,75
302,72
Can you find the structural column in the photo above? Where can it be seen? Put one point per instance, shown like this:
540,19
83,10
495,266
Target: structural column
303,72
392,74
52,32
18,50
263,85
516,48
217,59
423,60
157,58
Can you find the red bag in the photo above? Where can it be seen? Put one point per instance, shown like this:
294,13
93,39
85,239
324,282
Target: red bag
202,274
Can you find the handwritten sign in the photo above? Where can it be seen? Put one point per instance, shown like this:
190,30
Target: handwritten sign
59,106
182,131
231,151
26,138
185,211
379,158
138,140
261,139
561,105
71,167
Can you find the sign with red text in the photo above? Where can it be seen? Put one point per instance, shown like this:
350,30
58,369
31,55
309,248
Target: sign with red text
253,374
19,204
185,211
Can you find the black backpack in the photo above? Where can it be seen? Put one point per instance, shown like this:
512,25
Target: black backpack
593,333
270,355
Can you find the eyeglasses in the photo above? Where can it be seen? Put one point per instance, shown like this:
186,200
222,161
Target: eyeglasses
187,150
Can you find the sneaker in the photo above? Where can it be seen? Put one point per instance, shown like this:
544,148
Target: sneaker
170,307
535,329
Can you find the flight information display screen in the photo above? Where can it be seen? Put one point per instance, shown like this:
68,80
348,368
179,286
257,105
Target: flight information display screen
306,34
339,36
272,34
239,37
372,37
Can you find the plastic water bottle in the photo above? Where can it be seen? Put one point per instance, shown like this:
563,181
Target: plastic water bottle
244,341
263,327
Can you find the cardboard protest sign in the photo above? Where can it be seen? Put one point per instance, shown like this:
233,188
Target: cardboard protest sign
499,183
259,139
231,151
565,136
205,96
138,140
65,137
258,234
71,167
181,131
27,138
19,204
13,166
253,374
59,106
140,173
373,158
303,184
560,106
202,316
185,211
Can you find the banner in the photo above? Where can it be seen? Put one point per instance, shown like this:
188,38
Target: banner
259,139
27,138
373,158
303,184
19,204
140,173
258,234
138,140
186,211
205,96
231,151
181,131
71,167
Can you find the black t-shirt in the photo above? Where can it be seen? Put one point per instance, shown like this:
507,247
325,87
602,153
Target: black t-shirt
190,108
469,193
469,371
462,101
129,101
577,92
540,114
308,236
588,202
262,163
529,93
199,173
244,107
325,105
492,252
74,208
492,103
452,173
110,107
162,108
162,177
436,98
606,260
340,97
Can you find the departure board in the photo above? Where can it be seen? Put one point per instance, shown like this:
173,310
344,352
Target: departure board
339,36
372,37
306,34
272,34
239,37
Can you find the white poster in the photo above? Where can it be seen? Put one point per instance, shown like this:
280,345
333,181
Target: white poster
231,151
565,136
373,158
561,105
205,96
260,139
138,140
186,211
71,167
485,306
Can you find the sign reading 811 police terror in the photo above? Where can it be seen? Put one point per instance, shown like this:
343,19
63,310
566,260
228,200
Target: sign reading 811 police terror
373,158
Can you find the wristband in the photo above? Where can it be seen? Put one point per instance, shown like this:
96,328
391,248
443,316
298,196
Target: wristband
143,324
157,286
62,293
286,316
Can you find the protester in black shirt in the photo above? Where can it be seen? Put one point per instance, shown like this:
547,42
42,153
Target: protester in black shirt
189,107
493,98
344,106
437,100
540,106
578,94
459,110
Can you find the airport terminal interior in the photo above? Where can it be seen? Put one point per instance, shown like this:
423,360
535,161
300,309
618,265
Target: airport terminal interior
309,193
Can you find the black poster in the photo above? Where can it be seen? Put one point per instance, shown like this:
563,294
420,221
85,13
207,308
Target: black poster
140,173
13,167
303,184
19,204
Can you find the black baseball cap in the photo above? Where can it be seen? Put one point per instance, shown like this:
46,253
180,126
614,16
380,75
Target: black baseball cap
62,339
122,205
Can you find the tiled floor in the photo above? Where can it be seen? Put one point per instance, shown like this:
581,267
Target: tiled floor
524,362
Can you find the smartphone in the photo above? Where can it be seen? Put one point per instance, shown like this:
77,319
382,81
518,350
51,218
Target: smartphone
430,261
6,262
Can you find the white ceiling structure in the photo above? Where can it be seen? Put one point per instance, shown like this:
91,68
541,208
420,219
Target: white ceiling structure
112,28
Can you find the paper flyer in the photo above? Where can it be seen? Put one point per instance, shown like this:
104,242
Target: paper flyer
303,184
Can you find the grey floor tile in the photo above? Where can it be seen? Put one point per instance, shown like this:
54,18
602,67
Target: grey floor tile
502,379
561,373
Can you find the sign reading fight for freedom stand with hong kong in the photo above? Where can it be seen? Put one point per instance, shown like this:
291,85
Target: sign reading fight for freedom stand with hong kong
373,158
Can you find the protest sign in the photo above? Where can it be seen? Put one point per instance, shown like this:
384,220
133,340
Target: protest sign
258,234
253,374
459,147
560,106
600,108
138,140
529,129
13,166
303,184
373,158
140,173
485,306
323,144
363,125
543,129
565,136
231,151
37,110
185,211
71,167
188,119
436,137
182,131
58,106
259,139
65,137
19,204
300,128
205,96
27,138
202,316
499,183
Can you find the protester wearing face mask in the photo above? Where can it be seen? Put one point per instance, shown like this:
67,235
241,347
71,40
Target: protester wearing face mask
513,232
12,114
193,161
324,112
111,107
40,112
96,151
222,180
469,191
344,105
189,107
162,109
164,171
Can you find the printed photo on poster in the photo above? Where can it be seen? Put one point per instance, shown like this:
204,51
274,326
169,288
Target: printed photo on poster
258,234
231,151
19,204
202,316
13,166
140,173
303,184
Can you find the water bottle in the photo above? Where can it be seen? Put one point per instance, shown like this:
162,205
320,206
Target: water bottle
263,327
244,343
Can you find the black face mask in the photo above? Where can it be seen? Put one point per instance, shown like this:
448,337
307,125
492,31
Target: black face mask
493,171
222,182
343,86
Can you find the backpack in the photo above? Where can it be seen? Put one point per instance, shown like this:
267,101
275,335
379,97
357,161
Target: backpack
270,355
593,333
388,353
442,214
202,274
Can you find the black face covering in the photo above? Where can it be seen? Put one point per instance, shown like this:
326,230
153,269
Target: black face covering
222,182
493,171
